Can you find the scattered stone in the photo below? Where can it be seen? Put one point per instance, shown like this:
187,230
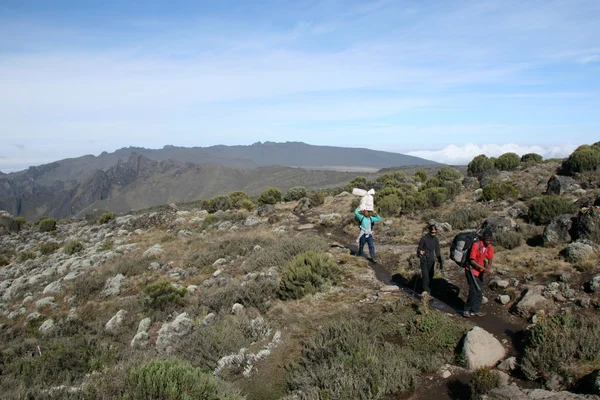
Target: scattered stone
191,289
499,283
196,221
34,316
251,220
470,182
45,302
170,334
265,210
498,224
504,299
113,285
518,210
329,219
217,273
531,301
482,349
446,374
54,287
184,232
389,288
577,251
237,309
209,319
220,261
154,251
113,326
47,327
305,227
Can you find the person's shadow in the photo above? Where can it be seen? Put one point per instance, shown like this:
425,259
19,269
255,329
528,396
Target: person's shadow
441,289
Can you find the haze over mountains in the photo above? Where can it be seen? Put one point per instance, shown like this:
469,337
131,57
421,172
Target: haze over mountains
139,178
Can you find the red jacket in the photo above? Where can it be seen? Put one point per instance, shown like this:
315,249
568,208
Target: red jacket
480,253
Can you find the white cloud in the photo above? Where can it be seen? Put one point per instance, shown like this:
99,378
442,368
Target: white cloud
462,155
590,59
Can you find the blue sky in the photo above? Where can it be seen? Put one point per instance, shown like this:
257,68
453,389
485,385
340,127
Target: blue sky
444,80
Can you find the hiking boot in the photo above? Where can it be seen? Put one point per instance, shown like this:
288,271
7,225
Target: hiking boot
467,314
479,314
372,260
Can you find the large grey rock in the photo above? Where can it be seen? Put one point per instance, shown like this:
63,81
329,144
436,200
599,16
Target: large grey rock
45,303
498,224
170,334
482,349
531,302
251,220
595,283
303,205
557,231
140,340
578,251
47,327
518,210
265,210
587,224
114,325
470,182
559,184
513,392
113,286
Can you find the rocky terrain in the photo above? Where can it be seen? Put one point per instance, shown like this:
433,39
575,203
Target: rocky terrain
273,304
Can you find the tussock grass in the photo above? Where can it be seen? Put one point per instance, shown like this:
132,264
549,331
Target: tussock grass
465,217
281,250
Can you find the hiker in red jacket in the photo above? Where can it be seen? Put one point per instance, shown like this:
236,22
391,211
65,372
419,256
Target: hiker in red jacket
480,261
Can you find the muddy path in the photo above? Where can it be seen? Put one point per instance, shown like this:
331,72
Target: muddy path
449,296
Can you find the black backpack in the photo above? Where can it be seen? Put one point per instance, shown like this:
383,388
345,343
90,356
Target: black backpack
461,246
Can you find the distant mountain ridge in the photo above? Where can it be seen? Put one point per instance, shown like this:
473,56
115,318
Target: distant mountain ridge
137,177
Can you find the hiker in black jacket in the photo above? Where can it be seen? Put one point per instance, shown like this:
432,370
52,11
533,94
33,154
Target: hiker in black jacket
428,251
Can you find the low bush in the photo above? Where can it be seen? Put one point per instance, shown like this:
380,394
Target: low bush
508,162
420,176
584,158
106,245
106,217
508,239
281,250
480,164
228,247
306,274
448,174
175,380
317,198
295,193
246,204
47,248
87,286
483,382
131,266
271,195
227,335
21,221
72,247
499,191
389,206
531,159
47,224
545,208
254,293
465,217
236,198
566,344
162,296
26,255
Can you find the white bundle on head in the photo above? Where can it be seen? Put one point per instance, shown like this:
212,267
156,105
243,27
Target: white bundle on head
366,202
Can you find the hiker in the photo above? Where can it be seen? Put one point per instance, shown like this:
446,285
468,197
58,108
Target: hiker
480,261
428,251
366,219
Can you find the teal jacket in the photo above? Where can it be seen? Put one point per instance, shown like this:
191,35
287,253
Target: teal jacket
366,223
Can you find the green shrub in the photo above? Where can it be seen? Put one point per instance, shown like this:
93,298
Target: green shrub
508,162
584,158
448,174
162,296
453,188
391,179
389,206
236,198
106,245
87,286
483,382
281,250
4,260
21,221
26,255
72,247
295,193
174,380
228,247
359,182
47,248
542,210
564,344
420,176
465,217
306,274
508,239
435,197
246,204
480,164
531,158
106,217
415,201
499,191
271,195
317,198
131,266
47,224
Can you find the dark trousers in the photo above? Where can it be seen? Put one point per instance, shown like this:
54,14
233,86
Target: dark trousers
475,295
427,273
369,241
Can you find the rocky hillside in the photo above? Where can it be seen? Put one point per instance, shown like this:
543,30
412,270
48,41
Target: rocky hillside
272,303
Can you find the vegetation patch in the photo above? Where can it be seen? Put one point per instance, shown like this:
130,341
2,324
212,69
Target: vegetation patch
542,210
106,217
72,247
47,248
483,382
47,224
281,250
508,239
162,296
465,217
566,344
306,274
26,255
230,247
499,191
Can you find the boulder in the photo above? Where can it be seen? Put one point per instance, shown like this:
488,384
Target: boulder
557,231
112,287
251,220
531,302
482,349
303,205
170,334
513,392
265,210
559,184
498,224
470,182
518,210
594,284
587,224
113,326
47,327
